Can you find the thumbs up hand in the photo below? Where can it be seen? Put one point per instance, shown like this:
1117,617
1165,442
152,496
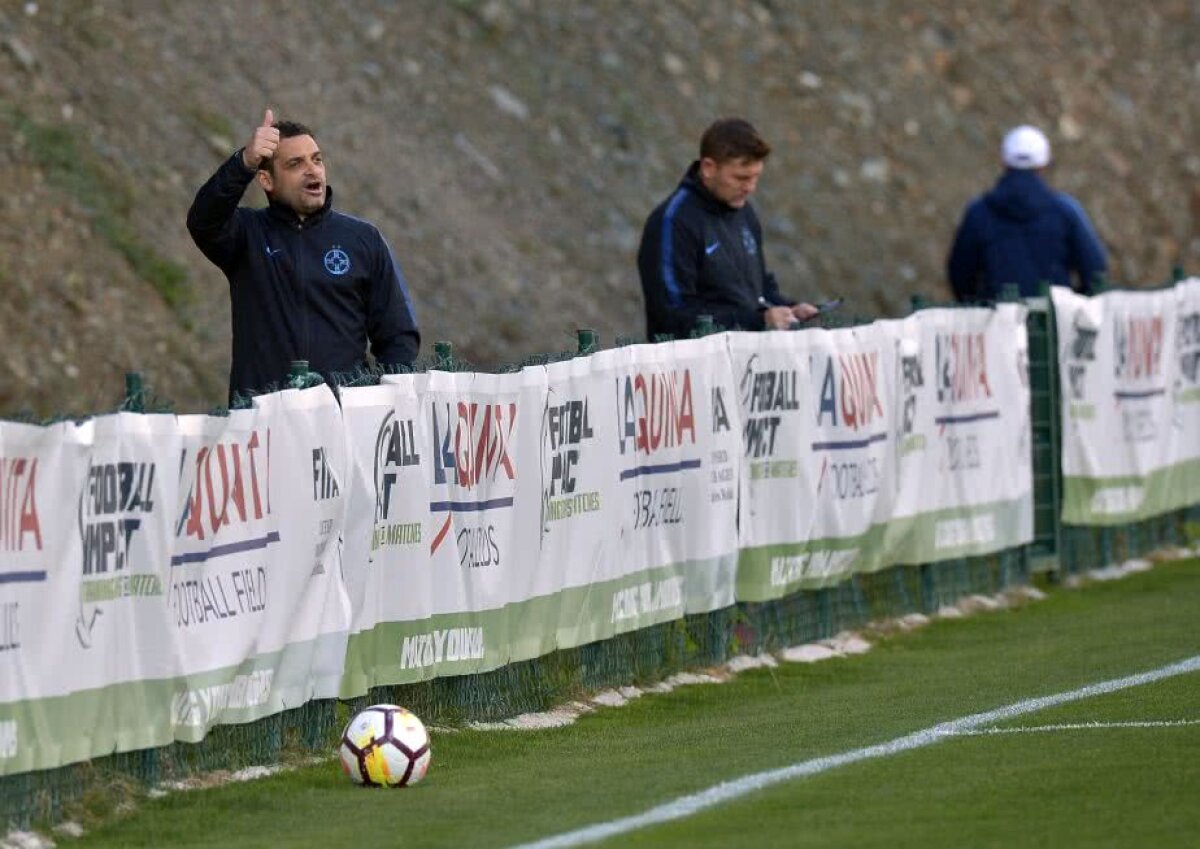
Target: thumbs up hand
262,143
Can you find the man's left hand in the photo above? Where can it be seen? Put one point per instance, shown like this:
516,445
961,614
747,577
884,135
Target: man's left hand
805,311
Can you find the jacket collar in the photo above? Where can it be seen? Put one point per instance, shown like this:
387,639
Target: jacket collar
692,182
288,216
1020,195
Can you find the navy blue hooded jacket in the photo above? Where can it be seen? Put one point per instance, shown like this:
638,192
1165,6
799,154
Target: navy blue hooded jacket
701,256
315,289
1023,232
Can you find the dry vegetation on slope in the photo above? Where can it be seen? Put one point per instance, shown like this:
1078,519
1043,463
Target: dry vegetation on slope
510,150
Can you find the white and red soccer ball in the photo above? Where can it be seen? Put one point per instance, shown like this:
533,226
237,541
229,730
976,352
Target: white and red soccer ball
385,746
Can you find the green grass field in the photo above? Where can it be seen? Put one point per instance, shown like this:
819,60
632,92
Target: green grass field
1114,786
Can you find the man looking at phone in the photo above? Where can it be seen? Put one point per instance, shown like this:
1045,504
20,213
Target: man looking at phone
701,250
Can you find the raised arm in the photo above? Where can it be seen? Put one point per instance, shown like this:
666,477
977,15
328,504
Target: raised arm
212,219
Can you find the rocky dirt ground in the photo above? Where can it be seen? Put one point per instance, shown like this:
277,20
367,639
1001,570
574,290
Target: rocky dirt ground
510,150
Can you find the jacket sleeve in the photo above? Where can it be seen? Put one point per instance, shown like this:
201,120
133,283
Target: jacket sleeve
391,319
772,294
213,220
1087,253
964,266
669,266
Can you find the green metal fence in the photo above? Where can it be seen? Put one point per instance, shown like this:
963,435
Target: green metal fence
640,657
1081,547
1046,439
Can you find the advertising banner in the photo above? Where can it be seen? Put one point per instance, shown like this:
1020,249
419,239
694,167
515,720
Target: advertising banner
1127,408
664,472
962,440
483,433
257,603
1185,393
42,472
386,542
124,650
818,481
578,563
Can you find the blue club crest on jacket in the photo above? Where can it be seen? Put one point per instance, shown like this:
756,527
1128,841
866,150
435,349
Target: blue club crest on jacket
337,262
748,242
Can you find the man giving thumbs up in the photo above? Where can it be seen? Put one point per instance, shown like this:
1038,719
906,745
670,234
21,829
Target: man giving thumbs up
305,282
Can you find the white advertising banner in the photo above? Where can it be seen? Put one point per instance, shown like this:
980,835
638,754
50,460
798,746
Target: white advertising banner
962,437
819,416
483,439
124,650
386,542
257,602
676,462
311,625
1127,408
771,374
578,562
1185,393
42,472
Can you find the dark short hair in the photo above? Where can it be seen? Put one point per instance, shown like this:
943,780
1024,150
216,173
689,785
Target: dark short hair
287,130
733,138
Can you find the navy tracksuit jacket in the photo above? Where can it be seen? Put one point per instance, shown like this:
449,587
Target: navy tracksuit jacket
1023,232
315,289
698,256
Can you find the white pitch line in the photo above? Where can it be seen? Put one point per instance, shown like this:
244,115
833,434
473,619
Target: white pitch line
1080,726
727,791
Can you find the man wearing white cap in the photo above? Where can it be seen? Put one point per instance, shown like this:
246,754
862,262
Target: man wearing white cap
1023,231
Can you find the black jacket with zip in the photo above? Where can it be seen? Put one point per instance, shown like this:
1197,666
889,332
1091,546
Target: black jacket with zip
698,256
1023,232
315,289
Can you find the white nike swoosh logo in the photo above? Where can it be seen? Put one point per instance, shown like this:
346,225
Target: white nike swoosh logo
708,249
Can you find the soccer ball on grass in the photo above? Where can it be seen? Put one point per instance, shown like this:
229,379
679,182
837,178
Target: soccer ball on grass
385,746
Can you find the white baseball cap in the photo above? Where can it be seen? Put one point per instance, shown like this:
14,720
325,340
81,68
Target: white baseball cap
1025,147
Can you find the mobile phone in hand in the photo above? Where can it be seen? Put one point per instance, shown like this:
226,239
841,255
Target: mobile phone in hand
823,307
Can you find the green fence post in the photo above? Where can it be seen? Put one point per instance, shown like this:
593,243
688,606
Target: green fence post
861,608
900,576
1045,429
918,302
135,393
825,612
704,325
928,596
588,343
962,577
1107,547
1177,273
443,353
297,374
